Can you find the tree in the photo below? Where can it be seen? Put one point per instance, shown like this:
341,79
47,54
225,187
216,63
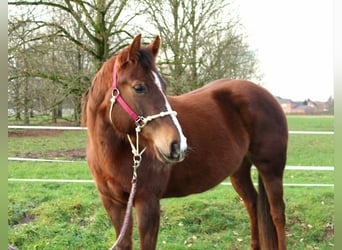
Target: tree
89,30
64,42
228,56
34,71
99,20
330,105
201,42
19,53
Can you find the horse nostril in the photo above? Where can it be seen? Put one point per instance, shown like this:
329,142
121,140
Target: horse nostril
175,150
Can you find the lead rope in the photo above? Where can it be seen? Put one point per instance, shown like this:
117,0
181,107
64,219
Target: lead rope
137,157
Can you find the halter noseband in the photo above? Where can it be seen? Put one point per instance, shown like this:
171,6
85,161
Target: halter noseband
140,121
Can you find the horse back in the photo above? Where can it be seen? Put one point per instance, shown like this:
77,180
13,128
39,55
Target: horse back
255,108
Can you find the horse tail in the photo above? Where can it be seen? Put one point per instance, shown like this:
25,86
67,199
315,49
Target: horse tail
267,231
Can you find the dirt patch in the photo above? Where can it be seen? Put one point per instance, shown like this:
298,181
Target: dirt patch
41,132
329,231
69,154
33,132
27,218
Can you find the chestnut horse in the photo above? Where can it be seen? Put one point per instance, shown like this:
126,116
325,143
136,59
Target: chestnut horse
193,142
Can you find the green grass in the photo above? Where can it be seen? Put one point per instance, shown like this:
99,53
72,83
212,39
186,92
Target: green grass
49,170
56,216
70,215
310,122
62,140
310,150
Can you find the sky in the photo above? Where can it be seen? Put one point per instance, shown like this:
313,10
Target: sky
293,40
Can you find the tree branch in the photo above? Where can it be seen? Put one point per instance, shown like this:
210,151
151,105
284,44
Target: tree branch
78,19
41,2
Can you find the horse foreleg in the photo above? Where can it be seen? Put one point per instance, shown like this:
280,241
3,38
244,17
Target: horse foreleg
116,212
243,185
148,218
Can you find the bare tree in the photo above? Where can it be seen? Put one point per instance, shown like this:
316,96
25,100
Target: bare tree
19,53
64,42
78,36
228,56
201,42
99,20
32,66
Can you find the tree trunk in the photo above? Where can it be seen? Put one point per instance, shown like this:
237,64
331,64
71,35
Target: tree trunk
60,110
26,102
54,115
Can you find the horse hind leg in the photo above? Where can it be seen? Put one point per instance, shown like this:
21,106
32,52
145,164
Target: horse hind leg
271,207
243,185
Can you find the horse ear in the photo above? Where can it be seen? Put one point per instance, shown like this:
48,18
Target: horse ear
154,46
134,48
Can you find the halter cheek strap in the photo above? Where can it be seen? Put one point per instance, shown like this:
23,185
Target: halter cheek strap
117,97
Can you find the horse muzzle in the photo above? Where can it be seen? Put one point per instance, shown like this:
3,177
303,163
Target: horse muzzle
174,154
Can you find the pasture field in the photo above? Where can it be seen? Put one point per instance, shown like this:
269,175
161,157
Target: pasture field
54,215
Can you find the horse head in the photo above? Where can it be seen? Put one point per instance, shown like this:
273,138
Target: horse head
138,96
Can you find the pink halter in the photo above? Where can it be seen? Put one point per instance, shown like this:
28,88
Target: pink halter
117,97
140,121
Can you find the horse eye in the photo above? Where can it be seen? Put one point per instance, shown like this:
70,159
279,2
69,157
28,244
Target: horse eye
139,88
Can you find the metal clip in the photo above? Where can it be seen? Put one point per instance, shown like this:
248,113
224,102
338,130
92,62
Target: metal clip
137,159
115,93
140,123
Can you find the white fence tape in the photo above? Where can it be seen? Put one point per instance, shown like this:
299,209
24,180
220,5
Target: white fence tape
85,128
40,160
49,180
310,168
222,183
48,127
312,132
